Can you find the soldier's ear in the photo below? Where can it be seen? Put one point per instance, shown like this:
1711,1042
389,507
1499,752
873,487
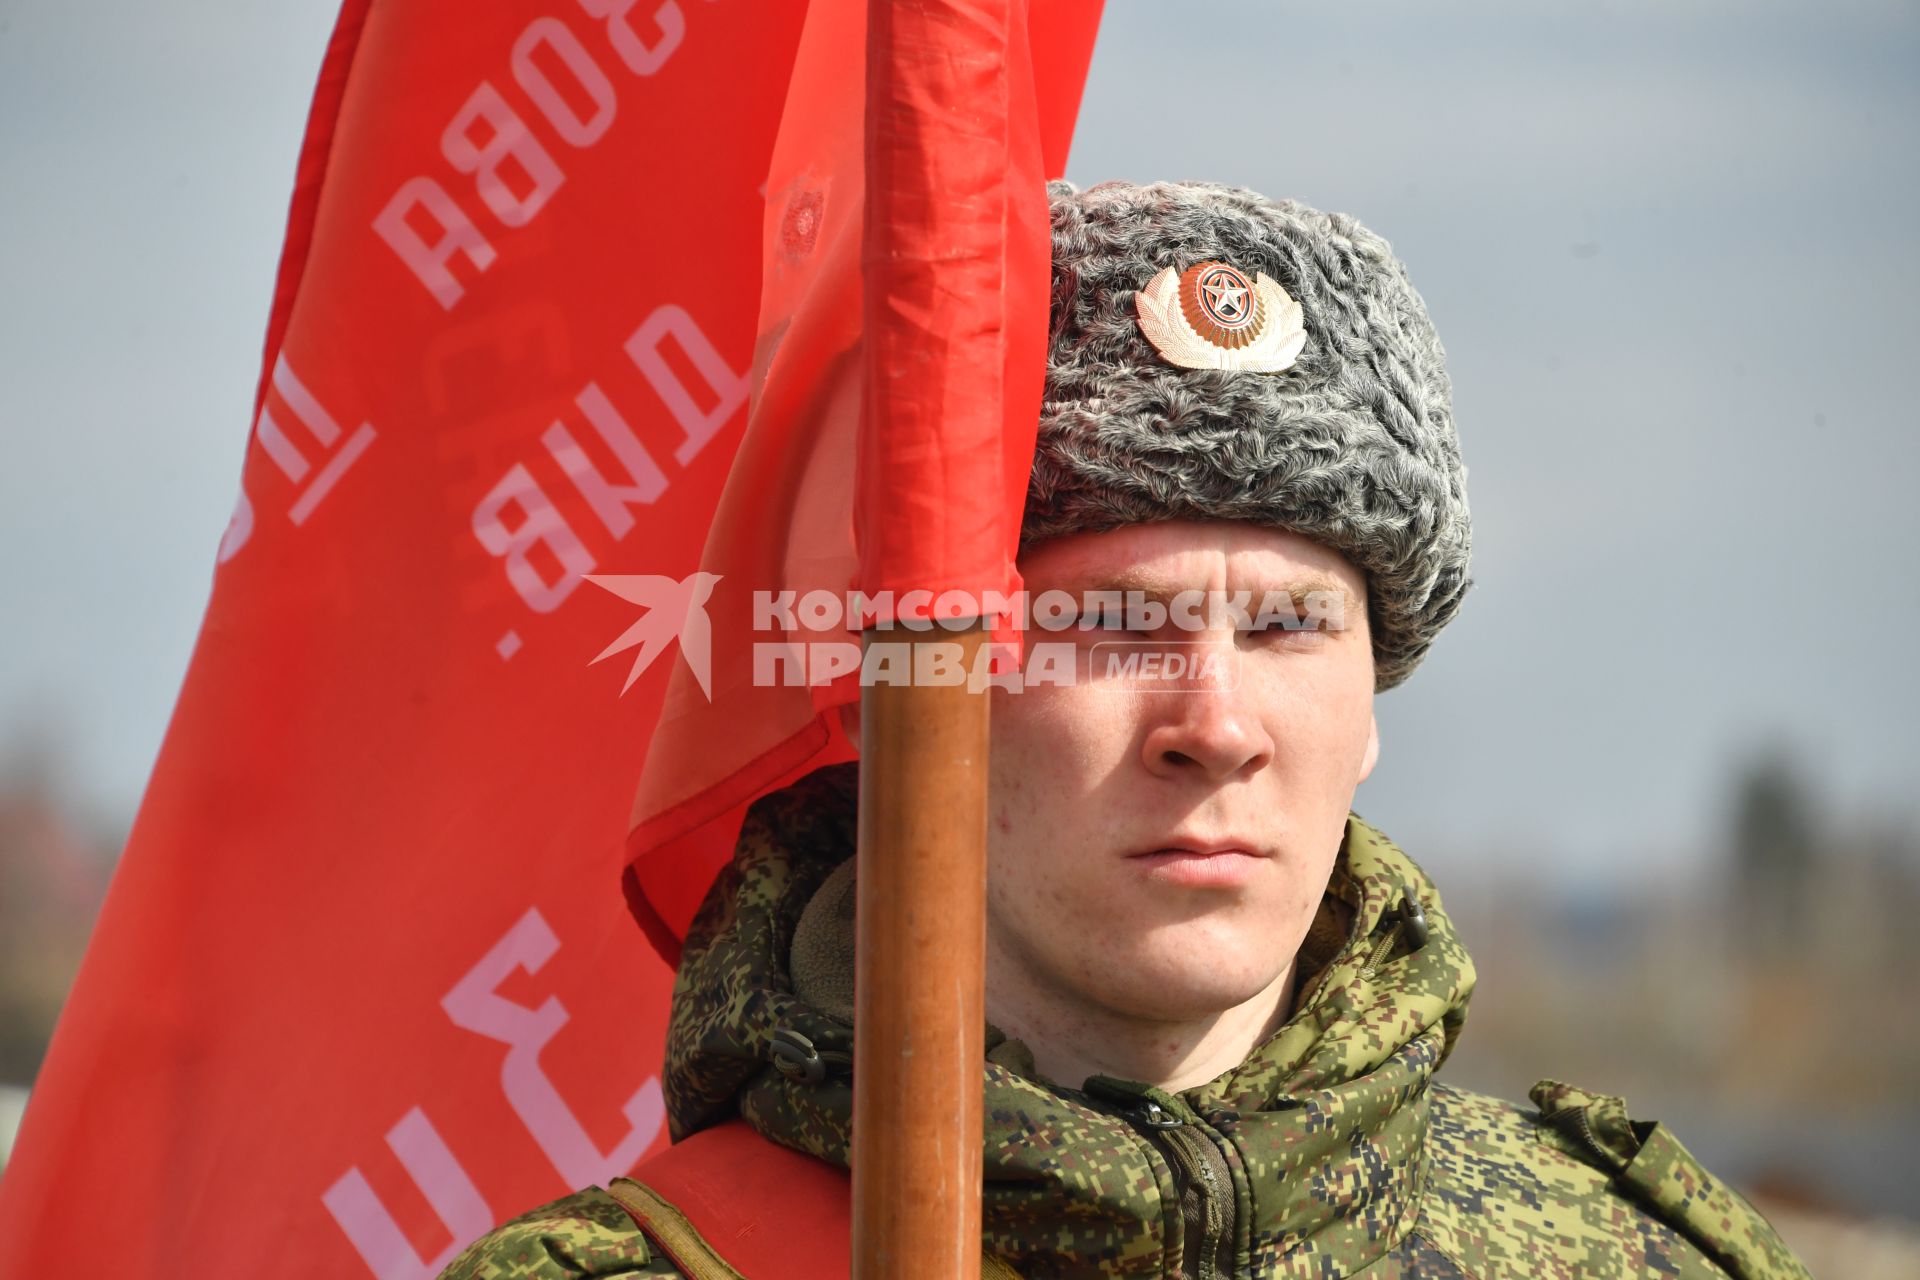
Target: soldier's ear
1373,747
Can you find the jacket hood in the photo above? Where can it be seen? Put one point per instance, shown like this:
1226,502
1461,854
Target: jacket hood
1323,1125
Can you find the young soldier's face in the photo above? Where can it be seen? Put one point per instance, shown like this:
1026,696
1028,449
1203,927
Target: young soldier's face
1158,846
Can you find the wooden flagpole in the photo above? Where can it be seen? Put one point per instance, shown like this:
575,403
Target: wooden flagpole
938,146
920,1015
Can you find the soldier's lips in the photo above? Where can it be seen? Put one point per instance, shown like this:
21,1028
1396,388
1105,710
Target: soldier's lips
1214,867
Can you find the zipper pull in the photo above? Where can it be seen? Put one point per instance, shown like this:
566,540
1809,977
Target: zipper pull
1155,1116
1409,923
1414,916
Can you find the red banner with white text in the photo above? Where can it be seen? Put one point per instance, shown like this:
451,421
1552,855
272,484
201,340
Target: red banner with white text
365,984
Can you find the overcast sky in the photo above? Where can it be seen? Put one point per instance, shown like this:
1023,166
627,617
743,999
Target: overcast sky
1669,246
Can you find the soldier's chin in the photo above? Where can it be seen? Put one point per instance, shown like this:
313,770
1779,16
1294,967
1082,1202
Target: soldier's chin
1193,983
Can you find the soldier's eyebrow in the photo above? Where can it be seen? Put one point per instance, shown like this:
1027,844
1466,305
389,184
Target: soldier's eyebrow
1298,587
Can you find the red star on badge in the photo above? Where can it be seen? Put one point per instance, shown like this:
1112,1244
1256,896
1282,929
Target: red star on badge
1228,298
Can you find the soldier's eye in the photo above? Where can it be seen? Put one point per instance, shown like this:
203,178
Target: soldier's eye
1307,637
1293,633
1104,618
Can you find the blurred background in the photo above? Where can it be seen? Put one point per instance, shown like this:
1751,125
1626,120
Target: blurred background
1663,766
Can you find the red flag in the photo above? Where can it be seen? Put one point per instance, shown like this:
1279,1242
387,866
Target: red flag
362,987
946,477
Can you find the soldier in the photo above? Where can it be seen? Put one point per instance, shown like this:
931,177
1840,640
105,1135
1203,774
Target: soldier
1218,997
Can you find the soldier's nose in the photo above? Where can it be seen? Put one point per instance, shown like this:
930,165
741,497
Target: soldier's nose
1207,732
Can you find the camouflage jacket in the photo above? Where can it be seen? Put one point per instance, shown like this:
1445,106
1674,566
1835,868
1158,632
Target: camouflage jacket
1330,1152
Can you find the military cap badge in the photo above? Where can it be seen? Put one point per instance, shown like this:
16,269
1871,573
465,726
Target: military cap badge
1211,316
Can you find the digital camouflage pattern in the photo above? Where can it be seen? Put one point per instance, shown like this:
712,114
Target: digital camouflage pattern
1330,1152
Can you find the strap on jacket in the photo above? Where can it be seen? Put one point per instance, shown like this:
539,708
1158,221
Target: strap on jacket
728,1204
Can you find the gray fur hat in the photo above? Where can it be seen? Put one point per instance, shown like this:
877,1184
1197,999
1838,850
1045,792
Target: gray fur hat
1351,444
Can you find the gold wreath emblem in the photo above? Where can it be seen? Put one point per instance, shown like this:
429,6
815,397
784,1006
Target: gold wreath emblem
1260,334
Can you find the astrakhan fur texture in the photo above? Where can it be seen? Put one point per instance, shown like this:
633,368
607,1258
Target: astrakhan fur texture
1353,446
